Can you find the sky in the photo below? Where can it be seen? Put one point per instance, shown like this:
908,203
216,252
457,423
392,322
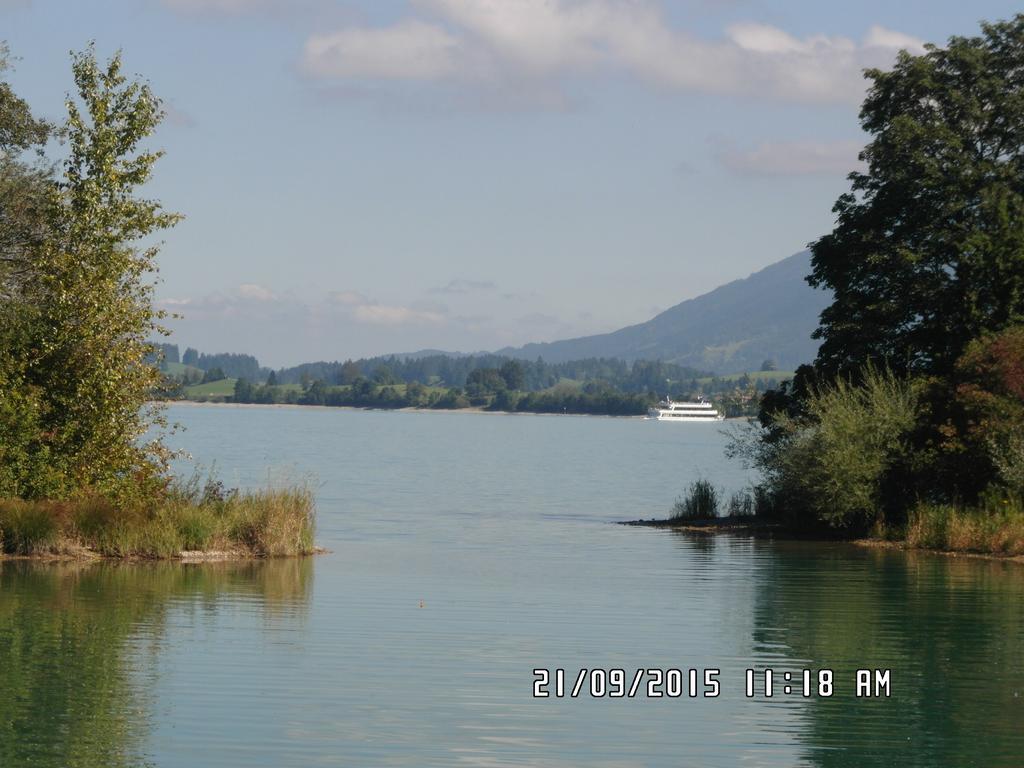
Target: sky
361,177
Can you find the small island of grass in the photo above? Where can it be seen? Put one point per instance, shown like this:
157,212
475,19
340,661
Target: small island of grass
188,521
84,470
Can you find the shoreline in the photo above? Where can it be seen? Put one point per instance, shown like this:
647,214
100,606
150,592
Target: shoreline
733,524
475,409
88,555
742,525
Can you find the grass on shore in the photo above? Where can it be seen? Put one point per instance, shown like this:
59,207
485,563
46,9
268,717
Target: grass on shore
699,503
995,527
270,522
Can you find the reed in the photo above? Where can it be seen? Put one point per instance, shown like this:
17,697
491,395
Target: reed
741,504
699,503
190,516
994,527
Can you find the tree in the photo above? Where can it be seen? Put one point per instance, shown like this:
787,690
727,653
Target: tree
191,357
984,440
512,372
383,375
272,379
928,250
415,394
214,374
243,391
26,465
316,393
348,373
769,365
85,309
25,182
833,462
484,381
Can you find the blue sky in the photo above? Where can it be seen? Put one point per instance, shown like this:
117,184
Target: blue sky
362,177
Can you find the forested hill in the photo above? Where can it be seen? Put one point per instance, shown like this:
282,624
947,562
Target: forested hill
767,316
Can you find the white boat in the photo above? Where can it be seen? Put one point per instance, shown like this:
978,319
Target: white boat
669,410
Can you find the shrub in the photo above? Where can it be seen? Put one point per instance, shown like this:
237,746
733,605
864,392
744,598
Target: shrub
830,464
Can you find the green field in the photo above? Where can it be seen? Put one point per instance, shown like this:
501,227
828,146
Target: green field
214,389
178,370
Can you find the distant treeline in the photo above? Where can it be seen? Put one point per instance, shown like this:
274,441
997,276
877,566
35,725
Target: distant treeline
443,370
595,385
592,398
233,365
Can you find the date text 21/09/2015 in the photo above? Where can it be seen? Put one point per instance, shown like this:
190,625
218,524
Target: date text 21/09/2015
657,683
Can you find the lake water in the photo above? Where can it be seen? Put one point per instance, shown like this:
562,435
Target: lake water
468,550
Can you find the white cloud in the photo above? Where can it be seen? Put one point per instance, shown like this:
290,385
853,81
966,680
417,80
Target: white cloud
410,50
380,314
348,298
370,312
880,37
791,158
247,295
534,42
255,292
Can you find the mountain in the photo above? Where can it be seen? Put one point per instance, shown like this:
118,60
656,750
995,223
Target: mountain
734,328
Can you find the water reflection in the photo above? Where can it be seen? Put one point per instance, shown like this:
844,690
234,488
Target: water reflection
70,635
950,630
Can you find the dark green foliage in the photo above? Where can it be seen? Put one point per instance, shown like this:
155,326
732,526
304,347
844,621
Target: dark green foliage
831,462
231,365
512,373
926,264
213,374
640,376
484,382
928,250
383,374
243,391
